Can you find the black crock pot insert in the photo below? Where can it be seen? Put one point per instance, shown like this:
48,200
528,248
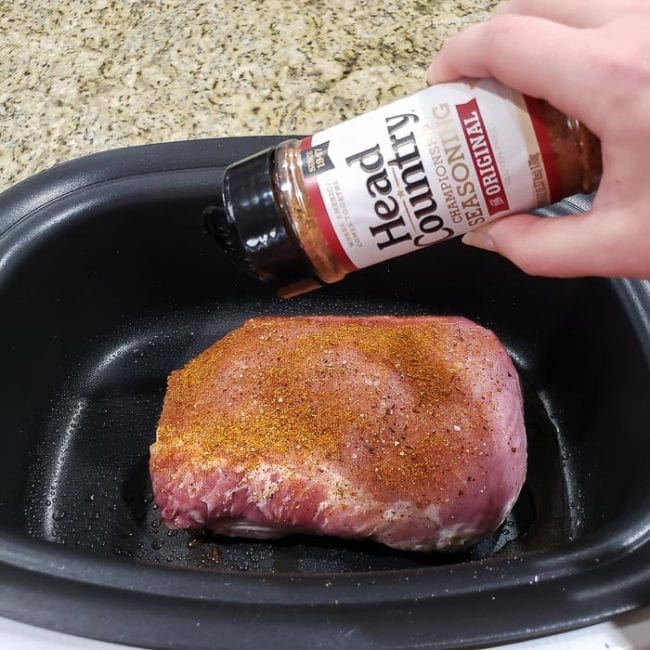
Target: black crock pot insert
108,282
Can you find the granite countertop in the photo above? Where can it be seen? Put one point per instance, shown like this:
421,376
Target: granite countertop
82,76
79,77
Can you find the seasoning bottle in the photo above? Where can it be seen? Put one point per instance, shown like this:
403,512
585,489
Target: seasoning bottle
416,172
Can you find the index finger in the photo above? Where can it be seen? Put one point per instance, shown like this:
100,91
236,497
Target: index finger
533,55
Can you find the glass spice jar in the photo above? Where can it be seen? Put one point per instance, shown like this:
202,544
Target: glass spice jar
416,172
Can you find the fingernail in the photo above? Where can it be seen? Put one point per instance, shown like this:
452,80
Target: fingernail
479,240
429,75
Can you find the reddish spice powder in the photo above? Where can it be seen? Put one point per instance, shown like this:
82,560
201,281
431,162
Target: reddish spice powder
392,405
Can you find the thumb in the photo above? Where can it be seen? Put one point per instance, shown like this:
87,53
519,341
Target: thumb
569,246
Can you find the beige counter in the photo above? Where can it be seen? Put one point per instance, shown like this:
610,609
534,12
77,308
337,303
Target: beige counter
79,77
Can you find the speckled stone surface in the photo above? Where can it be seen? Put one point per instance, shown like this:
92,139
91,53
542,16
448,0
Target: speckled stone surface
78,77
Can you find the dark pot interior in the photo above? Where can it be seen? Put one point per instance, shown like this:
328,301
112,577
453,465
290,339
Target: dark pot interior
108,281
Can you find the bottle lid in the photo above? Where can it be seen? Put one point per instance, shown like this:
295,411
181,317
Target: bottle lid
251,228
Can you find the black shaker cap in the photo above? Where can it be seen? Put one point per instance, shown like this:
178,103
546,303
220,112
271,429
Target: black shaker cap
251,228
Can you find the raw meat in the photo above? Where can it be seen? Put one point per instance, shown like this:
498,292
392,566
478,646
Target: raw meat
408,431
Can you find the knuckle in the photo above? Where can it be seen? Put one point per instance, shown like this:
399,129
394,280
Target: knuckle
626,70
628,63
501,29
625,79
499,38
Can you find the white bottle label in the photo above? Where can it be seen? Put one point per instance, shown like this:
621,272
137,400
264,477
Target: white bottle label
426,168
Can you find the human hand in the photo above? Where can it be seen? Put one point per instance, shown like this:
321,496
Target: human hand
590,59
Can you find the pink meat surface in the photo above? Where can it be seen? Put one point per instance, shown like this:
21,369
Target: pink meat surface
408,431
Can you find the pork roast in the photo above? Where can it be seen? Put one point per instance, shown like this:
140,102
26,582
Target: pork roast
407,431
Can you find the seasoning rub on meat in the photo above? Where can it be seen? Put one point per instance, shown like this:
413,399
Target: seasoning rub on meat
408,431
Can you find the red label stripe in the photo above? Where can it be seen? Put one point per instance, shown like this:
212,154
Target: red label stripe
482,154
